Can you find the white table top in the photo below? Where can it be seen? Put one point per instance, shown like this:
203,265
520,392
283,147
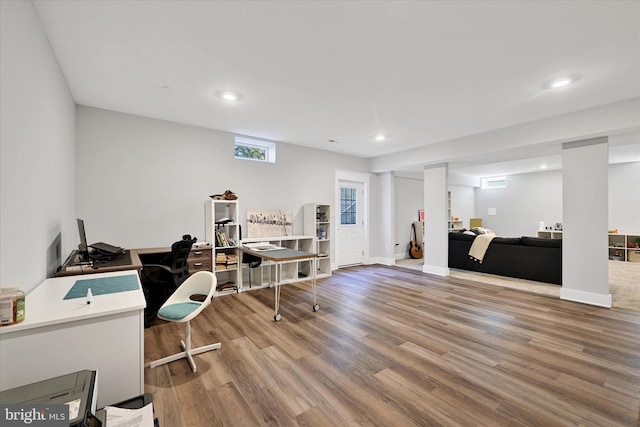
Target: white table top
45,305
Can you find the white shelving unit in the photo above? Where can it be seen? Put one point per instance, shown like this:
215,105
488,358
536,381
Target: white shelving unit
317,222
623,247
222,228
292,271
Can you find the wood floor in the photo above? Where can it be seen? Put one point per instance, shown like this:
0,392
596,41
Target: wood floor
393,347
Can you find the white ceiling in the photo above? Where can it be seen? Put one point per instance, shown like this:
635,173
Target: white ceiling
311,71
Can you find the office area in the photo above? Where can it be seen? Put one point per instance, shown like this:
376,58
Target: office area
142,182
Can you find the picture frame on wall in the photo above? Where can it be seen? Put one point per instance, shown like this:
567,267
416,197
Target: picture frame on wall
269,223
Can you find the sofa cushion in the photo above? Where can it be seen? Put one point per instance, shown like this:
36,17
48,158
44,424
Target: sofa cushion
461,236
540,242
506,240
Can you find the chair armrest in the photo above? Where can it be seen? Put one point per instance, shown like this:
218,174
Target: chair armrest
161,266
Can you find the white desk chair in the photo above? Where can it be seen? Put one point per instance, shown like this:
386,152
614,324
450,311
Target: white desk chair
180,308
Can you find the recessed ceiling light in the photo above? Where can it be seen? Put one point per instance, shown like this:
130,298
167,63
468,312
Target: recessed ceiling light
543,166
380,137
228,95
561,82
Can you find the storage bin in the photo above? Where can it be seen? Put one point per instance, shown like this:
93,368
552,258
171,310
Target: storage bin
633,256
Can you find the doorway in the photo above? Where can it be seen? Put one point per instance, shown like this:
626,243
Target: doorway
351,220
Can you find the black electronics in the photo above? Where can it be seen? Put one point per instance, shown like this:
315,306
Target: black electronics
100,249
77,390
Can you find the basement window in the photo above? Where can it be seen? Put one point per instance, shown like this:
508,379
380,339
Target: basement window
495,182
254,149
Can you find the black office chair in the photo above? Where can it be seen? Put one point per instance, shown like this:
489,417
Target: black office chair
252,261
163,273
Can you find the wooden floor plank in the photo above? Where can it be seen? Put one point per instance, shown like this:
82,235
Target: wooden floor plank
393,347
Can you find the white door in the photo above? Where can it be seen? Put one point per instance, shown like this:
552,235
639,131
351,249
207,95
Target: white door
351,224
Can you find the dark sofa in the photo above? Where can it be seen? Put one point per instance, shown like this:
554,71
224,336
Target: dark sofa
529,258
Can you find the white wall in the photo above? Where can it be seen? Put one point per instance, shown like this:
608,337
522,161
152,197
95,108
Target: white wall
37,152
409,198
527,200
624,197
143,182
463,203
436,238
534,197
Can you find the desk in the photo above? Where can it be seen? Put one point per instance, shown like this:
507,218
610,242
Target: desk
278,256
61,336
127,261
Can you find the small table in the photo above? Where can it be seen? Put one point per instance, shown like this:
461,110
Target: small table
278,256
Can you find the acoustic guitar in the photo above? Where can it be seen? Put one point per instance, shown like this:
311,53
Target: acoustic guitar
415,251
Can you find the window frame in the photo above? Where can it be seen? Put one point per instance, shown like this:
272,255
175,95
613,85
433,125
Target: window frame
493,182
268,147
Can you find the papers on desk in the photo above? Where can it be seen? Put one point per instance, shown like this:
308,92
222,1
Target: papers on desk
120,417
262,246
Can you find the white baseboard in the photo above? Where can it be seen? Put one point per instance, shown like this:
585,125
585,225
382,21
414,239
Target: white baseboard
586,297
432,269
381,260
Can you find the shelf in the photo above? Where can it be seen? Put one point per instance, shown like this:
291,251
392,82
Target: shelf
220,270
220,235
318,222
622,247
549,234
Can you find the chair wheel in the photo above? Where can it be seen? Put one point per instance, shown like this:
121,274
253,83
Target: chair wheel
316,307
277,317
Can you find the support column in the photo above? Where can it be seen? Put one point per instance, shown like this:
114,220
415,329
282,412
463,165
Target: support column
585,265
387,217
436,238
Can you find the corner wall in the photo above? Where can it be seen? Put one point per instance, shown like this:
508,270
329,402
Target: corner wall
37,152
143,182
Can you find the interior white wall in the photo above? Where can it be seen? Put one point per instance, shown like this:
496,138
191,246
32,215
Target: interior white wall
409,199
436,235
624,197
463,203
386,213
527,200
534,197
143,182
37,152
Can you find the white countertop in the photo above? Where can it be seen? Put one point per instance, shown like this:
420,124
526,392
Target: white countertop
45,305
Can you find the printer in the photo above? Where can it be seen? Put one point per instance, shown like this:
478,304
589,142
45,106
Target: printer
78,390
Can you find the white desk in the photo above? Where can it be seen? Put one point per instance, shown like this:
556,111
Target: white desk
60,336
